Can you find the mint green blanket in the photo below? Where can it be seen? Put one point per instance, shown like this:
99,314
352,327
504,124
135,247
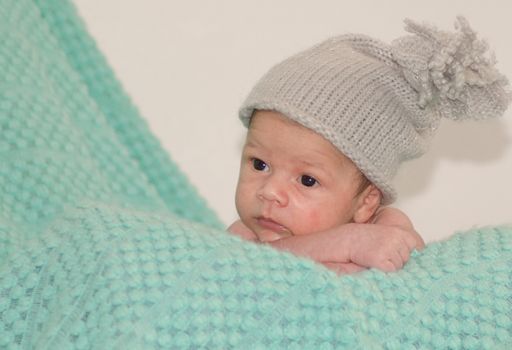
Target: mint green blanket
104,243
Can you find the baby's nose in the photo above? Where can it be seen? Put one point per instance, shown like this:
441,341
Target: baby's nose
274,190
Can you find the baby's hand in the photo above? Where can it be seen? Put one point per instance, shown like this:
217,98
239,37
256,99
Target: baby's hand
387,243
386,248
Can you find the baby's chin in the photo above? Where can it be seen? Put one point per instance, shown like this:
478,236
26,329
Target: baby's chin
266,236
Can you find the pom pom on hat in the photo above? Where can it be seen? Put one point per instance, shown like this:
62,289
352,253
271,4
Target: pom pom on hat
380,103
452,72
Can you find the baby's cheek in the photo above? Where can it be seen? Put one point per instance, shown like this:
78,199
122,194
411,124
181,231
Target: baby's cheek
242,195
314,221
310,217
323,219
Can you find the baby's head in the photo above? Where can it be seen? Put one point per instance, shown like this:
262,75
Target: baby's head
367,104
293,181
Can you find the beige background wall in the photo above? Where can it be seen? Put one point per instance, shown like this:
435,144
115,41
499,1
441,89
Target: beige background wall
189,64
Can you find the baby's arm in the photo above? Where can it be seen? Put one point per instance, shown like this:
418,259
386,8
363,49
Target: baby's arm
384,243
392,217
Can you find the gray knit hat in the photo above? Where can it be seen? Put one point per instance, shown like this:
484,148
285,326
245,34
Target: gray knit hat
380,104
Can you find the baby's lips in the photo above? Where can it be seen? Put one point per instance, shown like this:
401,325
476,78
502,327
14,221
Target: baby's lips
267,236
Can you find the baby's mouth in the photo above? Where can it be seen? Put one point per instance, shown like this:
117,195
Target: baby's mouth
272,225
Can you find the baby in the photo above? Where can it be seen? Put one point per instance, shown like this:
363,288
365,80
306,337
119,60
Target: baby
329,127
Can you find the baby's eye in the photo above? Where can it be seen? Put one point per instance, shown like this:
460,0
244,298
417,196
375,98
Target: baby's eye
308,181
259,165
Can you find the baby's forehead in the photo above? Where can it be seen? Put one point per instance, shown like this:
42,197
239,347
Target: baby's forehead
274,129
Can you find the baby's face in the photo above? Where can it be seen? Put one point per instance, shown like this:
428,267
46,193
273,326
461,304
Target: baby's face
292,180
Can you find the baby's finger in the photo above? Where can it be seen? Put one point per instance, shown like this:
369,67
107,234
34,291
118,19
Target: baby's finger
343,268
392,262
404,252
413,240
420,243
387,266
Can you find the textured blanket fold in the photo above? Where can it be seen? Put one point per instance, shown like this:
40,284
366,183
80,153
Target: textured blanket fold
105,244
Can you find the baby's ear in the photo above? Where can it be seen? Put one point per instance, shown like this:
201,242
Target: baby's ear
367,203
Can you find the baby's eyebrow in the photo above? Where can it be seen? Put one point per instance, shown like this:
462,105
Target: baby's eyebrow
311,164
252,143
319,166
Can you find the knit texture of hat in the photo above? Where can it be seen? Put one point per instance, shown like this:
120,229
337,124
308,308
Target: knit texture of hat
380,103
